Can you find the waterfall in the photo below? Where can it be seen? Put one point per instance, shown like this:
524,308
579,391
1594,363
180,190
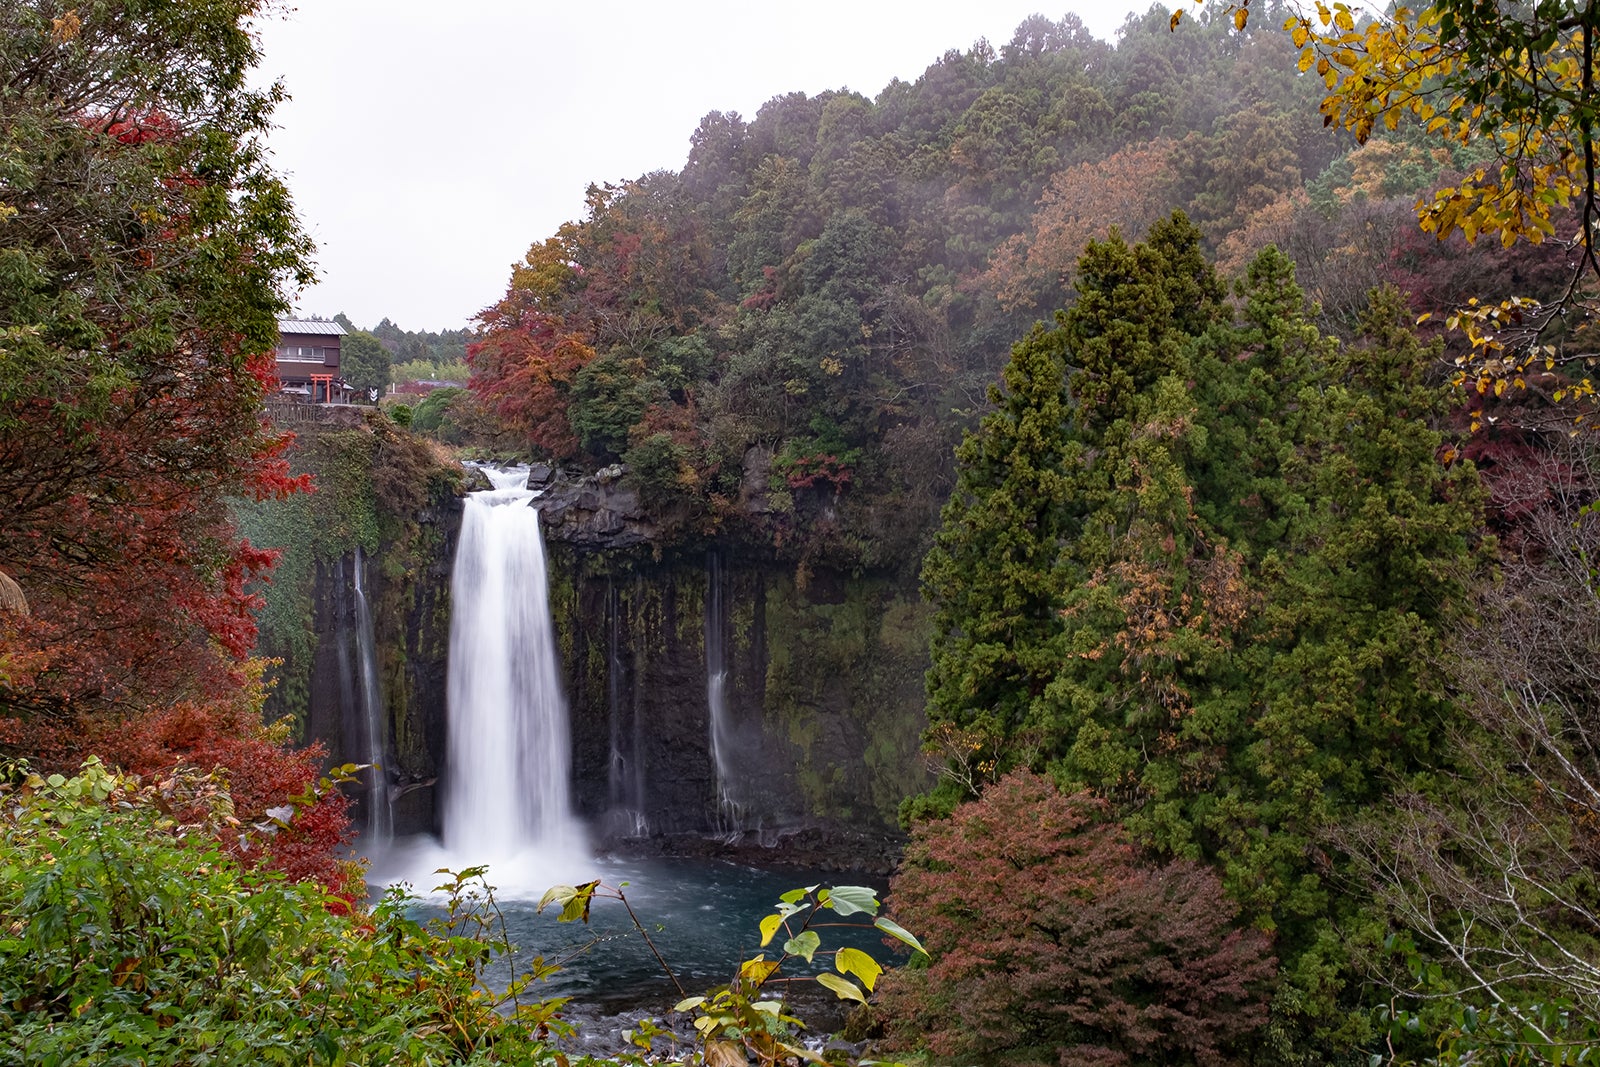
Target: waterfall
731,801
379,830
507,800
625,765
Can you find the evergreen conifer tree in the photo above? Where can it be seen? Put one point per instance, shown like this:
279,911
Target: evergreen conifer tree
1239,572
991,573
1043,492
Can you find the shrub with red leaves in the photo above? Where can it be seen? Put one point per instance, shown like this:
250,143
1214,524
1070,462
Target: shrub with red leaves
261,774
1052,942
149,250
222,734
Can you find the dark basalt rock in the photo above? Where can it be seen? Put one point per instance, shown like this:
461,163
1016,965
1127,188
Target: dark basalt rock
822,680
594,515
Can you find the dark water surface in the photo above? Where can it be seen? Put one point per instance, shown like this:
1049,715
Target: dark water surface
702,915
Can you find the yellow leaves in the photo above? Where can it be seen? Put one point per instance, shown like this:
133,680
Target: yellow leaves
831,366
854,961
1395,66
758,970
724,1053
66,28
1240,17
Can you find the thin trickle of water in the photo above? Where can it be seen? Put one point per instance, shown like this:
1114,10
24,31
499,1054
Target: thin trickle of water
636,794
731,802
625,766
379,830
507,800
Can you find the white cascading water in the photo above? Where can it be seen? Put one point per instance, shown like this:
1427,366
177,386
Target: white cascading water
507,802
625,764
731,802
379,829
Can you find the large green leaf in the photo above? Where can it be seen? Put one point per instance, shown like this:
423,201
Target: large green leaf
805,943
852,899
894,929
842,988
574,900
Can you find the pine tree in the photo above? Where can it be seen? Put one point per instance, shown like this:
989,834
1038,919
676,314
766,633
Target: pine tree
1347,692
1238,574
1150,590
991,573
1050,492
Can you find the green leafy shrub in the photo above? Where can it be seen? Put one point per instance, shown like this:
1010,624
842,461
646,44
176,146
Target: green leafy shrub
127,936
609,395
656,466
430,413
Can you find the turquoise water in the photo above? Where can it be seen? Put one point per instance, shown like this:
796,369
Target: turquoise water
703,917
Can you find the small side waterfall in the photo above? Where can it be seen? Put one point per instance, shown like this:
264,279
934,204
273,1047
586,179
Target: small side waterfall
731,799
507,800
379,829
625,765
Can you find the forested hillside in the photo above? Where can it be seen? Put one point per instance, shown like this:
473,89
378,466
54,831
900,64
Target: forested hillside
1212,553
1222,388
821,296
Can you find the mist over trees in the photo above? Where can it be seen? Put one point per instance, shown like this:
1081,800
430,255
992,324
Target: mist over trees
822,296
1215,547
1261,695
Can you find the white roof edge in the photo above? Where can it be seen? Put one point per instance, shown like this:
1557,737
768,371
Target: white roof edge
326,326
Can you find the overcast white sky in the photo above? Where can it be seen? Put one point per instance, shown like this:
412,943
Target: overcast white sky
428,144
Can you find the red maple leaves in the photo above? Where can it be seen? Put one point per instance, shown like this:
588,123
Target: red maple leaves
523,368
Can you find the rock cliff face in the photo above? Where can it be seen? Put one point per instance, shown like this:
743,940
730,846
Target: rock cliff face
821,693
411,624
385,498
820,684
821,681
593,514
